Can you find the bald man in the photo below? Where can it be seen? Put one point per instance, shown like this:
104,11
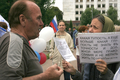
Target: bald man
17,60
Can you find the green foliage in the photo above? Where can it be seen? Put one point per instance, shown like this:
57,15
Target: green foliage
117,22
5,6
67,25
48,12
87,15
112,14
77,28
47,55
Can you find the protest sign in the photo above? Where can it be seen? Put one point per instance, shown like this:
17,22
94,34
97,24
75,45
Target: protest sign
64,50
93,46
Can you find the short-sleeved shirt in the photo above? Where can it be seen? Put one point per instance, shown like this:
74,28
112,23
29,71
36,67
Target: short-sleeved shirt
17,59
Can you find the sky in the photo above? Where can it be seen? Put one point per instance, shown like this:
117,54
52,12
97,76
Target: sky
59,4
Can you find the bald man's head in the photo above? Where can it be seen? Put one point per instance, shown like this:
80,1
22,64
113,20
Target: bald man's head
18,8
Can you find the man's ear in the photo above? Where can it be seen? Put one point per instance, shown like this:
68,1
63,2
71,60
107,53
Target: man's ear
22,19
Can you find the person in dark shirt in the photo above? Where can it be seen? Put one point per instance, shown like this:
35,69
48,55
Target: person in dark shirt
70,32
18,61
100,70
74,36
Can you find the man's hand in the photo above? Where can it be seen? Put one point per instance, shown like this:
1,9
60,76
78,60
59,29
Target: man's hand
68,67
101,65
53,72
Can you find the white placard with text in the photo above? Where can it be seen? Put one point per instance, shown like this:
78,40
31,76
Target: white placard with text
93,46
64,50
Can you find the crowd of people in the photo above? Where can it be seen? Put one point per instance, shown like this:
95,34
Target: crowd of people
18,61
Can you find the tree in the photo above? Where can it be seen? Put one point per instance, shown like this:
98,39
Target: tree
50,13
44,6
47,10
5,6
87,15
117,22
112,14
67,25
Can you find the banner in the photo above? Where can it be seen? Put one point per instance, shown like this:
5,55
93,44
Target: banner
64,49
93,46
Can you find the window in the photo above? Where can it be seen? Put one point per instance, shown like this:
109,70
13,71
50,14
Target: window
76,12
99,11
103,5
99,5
92,0
76,6
103,0
115,5
99,0
87,6
80,18
92,6
76,18
81,6
81,0
81,12
87,0
110,5
103,12
76,0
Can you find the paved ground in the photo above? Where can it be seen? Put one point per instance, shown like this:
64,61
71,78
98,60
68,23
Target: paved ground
49,63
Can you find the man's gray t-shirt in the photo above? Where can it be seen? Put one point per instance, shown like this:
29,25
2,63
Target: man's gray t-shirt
17,59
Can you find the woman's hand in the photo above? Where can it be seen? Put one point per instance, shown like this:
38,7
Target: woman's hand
68,67
101,65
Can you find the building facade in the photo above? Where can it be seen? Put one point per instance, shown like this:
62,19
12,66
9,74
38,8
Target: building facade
68,10
72,9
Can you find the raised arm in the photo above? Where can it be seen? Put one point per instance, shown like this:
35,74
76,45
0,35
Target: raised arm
76,75
52,73
105,73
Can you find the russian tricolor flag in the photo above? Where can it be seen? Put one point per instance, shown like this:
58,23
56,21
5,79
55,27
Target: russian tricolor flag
53,24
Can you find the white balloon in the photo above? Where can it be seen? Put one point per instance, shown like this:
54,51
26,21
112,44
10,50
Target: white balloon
46,33
32,40
38,45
